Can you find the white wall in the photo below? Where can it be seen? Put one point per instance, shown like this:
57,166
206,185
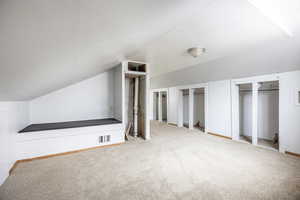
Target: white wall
289,112
89,99
219,106
97,97
14,116
185,103
173,105
117,92
94,98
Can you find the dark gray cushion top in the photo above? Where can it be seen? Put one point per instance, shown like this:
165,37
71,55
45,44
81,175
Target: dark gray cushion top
70,124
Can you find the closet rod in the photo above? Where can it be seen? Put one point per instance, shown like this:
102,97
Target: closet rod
260,90
194,94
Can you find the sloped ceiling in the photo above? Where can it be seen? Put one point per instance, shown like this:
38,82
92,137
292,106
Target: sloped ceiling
225,28
269,57
47,45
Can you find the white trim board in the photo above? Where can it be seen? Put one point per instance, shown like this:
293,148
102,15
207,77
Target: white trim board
193,86
253,79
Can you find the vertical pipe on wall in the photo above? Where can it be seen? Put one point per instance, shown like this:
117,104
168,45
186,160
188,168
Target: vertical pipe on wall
191,109
135,109
147,88
147,115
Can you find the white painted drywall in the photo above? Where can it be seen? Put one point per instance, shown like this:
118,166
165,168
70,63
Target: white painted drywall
289,111
97,97
173,105
14,116
117,108
219,106
89,99
185,103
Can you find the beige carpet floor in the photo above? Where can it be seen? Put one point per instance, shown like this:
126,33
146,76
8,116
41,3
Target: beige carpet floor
175,164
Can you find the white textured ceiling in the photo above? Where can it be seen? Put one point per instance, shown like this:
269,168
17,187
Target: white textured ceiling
49,44
224,28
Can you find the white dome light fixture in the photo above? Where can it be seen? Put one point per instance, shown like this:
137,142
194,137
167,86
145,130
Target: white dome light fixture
196,51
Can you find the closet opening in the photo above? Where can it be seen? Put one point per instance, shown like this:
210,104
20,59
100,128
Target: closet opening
199,109
135,99
245,112
164,106
268,114
155,106
185,107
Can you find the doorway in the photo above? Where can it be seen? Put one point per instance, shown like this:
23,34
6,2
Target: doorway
268,114
245,112
185,107
255,112
164,106
199,109
155,106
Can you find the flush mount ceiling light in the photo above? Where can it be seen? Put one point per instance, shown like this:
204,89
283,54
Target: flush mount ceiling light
196,51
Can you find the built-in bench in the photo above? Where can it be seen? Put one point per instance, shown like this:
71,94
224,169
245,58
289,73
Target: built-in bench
69,124
39,140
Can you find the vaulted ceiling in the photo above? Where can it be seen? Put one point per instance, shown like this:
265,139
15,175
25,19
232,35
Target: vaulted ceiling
47,45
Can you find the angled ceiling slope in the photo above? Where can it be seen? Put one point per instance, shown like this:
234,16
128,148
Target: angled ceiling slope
47,45
225,28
